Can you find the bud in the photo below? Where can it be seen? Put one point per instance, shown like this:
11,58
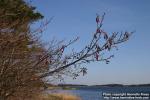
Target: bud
110,41
46,62
65,62
95,35
105,36
126,35
98,48
97,19
97,56
98,30
62,49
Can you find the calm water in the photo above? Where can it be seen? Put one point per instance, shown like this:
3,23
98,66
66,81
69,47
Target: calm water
97,93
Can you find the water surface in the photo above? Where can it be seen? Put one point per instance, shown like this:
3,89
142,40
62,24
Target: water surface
96,93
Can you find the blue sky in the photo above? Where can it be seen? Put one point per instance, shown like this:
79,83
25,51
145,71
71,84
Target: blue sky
72,18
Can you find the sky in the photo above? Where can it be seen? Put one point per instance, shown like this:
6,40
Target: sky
71,18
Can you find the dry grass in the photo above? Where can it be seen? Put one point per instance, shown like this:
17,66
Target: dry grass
59,96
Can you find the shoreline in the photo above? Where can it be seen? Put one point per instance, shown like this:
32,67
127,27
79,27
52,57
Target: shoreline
59,96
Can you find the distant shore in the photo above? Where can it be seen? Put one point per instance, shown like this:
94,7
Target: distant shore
122,85
105,85
77,86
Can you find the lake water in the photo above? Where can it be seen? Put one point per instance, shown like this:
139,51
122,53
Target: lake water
111,93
